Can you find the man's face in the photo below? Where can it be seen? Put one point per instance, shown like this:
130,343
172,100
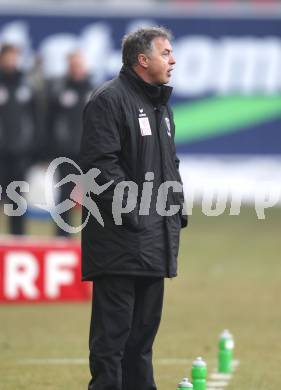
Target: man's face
9,61
160,61
77,67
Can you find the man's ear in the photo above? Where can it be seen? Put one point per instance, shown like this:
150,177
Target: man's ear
143,60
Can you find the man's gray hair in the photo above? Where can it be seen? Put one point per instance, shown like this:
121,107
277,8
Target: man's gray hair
140,41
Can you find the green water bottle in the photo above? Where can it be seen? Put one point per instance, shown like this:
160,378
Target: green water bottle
225,355
185,384
199,374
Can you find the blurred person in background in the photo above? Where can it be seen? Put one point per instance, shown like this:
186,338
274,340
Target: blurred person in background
66,99
18,125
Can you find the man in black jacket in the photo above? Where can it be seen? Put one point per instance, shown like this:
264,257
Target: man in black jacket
129,137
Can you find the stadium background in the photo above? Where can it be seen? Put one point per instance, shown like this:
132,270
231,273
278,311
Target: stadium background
227,108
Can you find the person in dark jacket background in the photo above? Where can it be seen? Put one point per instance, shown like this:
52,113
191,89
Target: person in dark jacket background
18,125
67,97
129,136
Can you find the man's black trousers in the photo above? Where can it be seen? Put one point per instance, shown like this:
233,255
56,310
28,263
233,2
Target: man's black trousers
126,313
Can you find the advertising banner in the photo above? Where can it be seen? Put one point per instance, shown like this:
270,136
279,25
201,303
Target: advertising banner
38,271
227,81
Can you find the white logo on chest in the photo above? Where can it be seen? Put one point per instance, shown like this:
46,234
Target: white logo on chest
144,123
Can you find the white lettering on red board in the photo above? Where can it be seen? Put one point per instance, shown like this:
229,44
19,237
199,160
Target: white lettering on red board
22,270
59,271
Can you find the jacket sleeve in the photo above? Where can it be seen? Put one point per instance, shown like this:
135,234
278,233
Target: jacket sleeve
184,217
101,147
101,140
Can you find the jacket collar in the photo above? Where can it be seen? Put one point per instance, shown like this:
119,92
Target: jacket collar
157,94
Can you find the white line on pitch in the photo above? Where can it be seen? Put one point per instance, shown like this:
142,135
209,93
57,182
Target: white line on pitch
217,384
172,361
219,380
54,361
82,361
220,376
215,388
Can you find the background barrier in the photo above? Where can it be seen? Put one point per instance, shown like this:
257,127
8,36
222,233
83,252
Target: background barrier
226,83
41,271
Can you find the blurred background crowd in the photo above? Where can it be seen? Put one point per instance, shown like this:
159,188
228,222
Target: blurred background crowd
40,119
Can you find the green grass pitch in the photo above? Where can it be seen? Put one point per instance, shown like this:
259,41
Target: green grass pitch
229,277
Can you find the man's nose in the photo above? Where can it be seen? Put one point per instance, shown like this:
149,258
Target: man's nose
172,60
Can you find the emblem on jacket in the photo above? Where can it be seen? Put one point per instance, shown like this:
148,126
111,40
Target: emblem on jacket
168,124
144,123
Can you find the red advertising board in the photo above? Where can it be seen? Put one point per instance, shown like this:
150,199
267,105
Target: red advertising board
41,271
